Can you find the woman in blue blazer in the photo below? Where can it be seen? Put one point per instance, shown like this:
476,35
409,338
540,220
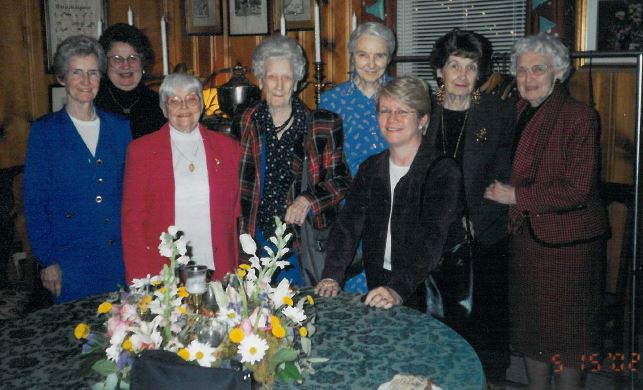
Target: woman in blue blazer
73,181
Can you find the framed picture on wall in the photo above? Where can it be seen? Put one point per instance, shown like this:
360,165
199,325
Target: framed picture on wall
298,13
248,17
57,97
203,17
64,18
611,25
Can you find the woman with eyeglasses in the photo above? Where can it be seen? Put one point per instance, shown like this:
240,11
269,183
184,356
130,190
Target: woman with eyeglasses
129,56
73,181
182,175
556,218
400,206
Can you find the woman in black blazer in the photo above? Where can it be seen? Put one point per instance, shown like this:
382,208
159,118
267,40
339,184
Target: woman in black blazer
402,202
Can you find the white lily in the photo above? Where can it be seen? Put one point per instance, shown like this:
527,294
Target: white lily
278,294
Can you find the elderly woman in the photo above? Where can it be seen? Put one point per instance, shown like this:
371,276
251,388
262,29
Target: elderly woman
477,131
556,218
73,180
402,232
129,55
278,135
371,48
182,175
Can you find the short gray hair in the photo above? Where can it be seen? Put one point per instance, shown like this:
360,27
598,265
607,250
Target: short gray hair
374,29
412,91
544,44
279,46
175,81
77,46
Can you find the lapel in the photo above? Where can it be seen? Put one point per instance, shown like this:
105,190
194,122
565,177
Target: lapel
475,138
75,142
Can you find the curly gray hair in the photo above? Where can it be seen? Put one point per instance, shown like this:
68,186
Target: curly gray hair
81,46
279,47
175,81
547,45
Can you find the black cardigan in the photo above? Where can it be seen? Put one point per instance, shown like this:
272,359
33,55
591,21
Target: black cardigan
426,202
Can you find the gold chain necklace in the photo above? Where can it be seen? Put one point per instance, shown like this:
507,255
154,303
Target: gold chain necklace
444,136
191,166
126,110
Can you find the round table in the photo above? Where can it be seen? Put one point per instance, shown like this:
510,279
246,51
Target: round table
366,347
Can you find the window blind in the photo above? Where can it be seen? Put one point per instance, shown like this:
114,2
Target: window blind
421,22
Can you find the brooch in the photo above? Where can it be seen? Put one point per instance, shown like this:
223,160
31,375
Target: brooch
481,135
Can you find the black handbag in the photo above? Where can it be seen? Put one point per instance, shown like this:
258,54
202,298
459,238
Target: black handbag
450,285
163,370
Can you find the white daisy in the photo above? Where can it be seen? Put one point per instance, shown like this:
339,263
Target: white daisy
230,316
252,348
202,353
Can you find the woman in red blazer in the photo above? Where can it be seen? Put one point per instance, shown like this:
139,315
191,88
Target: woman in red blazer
183,175
556,218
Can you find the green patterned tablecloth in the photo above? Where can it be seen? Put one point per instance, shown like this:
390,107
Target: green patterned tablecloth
366,346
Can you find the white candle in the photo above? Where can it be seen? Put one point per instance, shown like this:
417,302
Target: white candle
130,16
196,285
99,28
166,66
317,35
353,22
282,25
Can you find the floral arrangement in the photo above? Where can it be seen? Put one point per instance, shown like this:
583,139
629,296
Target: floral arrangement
265,331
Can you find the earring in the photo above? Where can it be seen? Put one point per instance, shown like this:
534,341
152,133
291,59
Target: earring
439,94
475,96
143,71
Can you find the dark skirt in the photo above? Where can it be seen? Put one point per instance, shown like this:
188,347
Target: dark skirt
555,297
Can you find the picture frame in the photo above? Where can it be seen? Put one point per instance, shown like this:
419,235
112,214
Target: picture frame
57,97
203,17
248,17
610,25
64,18
298,13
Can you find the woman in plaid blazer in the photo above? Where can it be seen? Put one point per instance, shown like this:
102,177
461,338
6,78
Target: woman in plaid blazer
277,135
556,218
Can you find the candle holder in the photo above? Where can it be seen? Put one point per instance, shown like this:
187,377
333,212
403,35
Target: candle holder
195,284
319,81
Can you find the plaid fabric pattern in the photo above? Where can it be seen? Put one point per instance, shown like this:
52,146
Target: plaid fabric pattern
555,292
328,172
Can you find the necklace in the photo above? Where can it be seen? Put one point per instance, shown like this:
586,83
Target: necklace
191,166
279,129
126,110
444,136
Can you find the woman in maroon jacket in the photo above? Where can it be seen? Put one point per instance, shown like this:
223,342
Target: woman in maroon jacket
556,218
183,175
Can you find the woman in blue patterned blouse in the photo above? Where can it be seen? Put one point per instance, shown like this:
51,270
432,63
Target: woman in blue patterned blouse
371,48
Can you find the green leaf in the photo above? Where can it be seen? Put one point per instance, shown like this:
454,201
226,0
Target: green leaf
105,367
311,328
289,372
89,359
283,355
306,345
111,381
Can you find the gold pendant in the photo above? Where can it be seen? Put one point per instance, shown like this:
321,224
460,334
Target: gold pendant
191,167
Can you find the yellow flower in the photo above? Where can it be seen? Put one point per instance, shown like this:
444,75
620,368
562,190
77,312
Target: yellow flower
274,321
104,307
182,292
127,345
303,332
245,266
241,272
81,331
310,299
181,310
156,282
184,354
236,335
288,300
279,332
162,290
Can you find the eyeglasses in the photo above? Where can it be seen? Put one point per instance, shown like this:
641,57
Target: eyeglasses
385,113
535,70
79,74
118,61
191,100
